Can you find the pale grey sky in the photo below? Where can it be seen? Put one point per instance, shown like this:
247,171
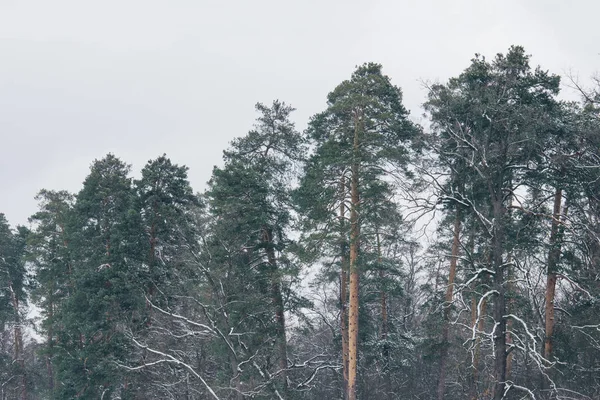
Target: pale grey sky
81,78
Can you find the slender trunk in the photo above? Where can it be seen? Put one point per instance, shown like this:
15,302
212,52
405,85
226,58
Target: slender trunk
448,308
354,273
553,256
343,288
499,310
278,302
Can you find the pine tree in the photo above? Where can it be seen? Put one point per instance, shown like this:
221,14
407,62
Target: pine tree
361,134
250,198
165,199
106,302
499,113
13,300
48,250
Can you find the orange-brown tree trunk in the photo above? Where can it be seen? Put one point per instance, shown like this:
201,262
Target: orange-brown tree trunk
553,256
354,272
551,276
353,314
343,288
499,306
448,308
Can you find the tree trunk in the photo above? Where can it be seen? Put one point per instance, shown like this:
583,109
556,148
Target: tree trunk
448,308
354,273
278,303
553,256
499,310
343,289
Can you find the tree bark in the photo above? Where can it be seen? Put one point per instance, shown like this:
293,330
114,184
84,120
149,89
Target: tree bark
354,273
499,309
343,288
447,307
551,276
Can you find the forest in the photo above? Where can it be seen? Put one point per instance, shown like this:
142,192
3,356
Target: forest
367,257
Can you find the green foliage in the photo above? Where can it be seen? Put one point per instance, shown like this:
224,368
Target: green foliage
104,239
148,291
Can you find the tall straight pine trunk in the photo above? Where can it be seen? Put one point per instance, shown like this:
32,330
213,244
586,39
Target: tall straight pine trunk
448,308
354,272
343,287
551,277
499,308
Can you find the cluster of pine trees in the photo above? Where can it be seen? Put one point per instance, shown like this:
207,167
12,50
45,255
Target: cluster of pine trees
303,271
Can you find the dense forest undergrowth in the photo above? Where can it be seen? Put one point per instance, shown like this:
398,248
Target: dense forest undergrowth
302,271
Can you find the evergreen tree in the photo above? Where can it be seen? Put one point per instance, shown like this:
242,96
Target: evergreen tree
165,200
106,302
362,134
249,196
13,300
48,250
499,112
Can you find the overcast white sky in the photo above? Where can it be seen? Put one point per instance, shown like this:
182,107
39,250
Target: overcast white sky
82,78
